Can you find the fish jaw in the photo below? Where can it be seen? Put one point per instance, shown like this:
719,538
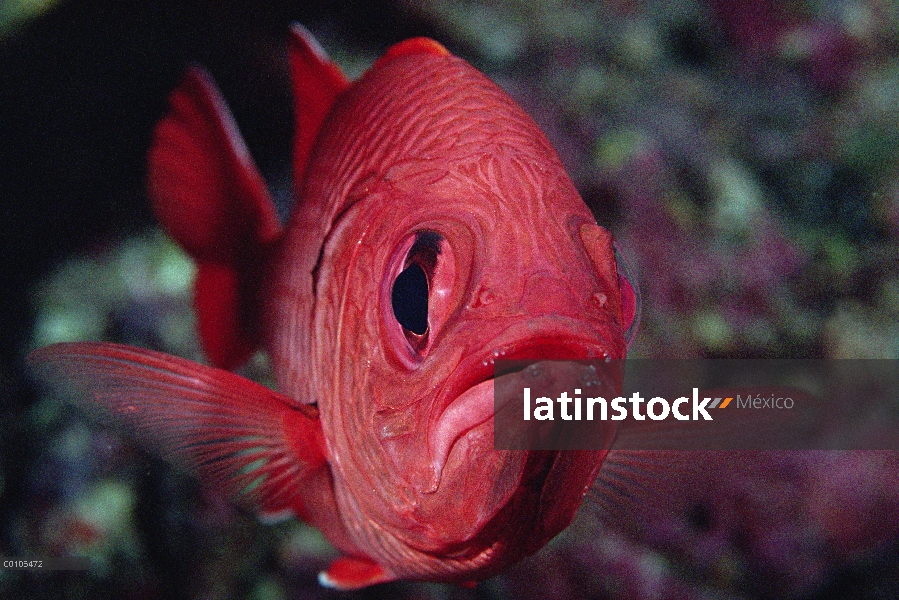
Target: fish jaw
473,509
533,341
547,490
462,442
458,444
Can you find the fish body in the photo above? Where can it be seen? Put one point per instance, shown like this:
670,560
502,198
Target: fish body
434,231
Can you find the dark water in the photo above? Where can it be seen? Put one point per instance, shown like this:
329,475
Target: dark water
744,155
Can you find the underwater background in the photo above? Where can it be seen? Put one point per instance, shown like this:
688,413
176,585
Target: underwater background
744,154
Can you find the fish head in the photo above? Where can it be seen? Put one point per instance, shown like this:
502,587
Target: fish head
455,238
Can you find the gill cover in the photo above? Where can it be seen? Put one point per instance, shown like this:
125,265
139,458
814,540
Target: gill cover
599,245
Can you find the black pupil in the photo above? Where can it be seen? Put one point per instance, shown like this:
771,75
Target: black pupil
410,299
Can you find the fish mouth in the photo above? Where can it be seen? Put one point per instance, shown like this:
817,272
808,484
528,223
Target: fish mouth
532,341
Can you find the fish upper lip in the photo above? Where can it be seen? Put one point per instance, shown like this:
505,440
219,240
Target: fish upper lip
543,338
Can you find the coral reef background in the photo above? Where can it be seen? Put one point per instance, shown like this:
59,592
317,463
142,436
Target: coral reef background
744,154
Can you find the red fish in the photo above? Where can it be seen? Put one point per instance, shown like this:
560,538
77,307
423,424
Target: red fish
434,230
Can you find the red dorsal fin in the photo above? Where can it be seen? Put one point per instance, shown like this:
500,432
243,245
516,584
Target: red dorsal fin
419,45
317,81
237,436
208,194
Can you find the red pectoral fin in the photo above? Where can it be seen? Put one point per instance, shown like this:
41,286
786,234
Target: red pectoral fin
317,82
352,573
256,445
208,194
657,470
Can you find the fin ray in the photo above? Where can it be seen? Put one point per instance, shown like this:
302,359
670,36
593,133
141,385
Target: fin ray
316,81
209,196
236,435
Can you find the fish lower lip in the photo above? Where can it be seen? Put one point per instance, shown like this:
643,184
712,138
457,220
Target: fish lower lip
477,404
548,337
471,409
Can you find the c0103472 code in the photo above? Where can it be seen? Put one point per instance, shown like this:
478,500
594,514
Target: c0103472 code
59,563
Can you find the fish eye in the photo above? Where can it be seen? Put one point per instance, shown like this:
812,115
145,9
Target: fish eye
410,299
411,290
